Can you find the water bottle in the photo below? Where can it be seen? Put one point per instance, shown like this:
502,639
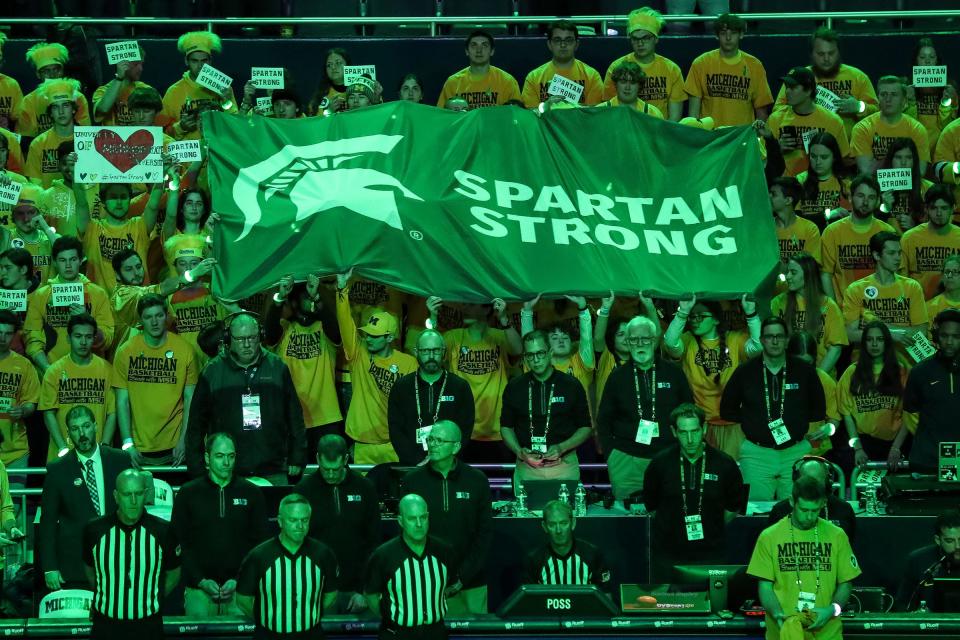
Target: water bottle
520,507
564,495
580,501
923,607
872,507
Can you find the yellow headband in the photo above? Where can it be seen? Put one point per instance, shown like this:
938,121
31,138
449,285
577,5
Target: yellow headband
641,20
199,41
43,54
59,90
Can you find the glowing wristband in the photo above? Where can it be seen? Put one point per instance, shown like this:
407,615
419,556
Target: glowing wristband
188,277
956,168
603,312
863,107
946,102
63,452
127,443
277,299
853,442
836,610
833,429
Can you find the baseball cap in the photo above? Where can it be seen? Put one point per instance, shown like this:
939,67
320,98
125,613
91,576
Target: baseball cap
380,323
801,76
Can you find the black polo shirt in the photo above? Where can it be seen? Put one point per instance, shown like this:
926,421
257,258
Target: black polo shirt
449,398
722,491
744,401
563,394
618,419
932,392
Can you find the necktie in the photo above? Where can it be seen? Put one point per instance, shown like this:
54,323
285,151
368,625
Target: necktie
92,487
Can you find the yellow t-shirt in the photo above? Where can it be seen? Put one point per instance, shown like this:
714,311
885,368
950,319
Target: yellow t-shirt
605,366
15,162
787,556
39,247
42,164
191,310
730,89
494,87
43,317
848,81
831,194
938,304
18,385
119,115
930,113
32,118
786,122
877,415
639,105
102,241
311,356
538,81
67,384
829,386
155,378
846,252
899,304
902,206
924,252
801,236
708,368
368,297
372,379
186,94
483,364
10,98
947,149
576,367
59,206
124,302
872,136
663,84
833,330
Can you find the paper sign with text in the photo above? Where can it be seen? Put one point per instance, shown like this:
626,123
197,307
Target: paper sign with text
186,151
118,154
5,404
264,105
13,299
921,349
128,50
826,98
352,72
807,137
65,294
569,90
930,76
213,79
895,179
10,193
267,77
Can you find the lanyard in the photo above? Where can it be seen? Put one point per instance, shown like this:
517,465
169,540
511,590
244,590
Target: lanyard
796,555
766,391
653,393
416,393
546,425
683,483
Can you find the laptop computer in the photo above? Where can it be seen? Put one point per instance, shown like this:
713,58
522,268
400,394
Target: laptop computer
949,464
540,492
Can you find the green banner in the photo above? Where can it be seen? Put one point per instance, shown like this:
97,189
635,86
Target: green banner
495,202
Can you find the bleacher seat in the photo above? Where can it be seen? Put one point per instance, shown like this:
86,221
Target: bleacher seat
399,9
453,8
327,9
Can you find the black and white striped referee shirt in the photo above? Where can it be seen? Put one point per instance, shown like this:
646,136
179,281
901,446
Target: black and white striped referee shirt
411,586
288,588
582,565
129,562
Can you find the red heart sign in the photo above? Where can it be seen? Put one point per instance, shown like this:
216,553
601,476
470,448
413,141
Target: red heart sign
123,154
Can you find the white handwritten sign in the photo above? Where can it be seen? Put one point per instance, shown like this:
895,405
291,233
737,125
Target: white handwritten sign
213,79
264,105
807,137
13,299
895,179
352,72
118,154
930,76
66,293
921,349
186,151
267,77
569,90
10,192
126,51
826,98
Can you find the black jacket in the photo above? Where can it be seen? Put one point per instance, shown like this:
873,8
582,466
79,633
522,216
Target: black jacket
460,514
455,403
216,406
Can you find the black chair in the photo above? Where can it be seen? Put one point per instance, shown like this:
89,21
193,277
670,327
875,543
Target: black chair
400,9
326,9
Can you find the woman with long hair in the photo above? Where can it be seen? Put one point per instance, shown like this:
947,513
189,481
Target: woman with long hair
805,291
804,346
933,107
331,92
826,184
185,225
410,89
870,395
903,209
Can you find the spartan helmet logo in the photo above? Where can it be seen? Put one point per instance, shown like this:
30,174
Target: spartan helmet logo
313,179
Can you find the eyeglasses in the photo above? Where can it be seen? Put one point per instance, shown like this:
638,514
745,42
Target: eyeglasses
436,440
567,41
638,340
700,316
430,352
774,336
536,355
642,39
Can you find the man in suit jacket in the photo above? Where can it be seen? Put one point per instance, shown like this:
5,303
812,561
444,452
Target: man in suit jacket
78,488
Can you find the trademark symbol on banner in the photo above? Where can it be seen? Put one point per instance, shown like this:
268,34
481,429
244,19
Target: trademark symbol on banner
416,235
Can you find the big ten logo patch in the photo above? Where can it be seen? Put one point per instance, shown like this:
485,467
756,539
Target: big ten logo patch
193,319
81,390
57,317
153,369
384,378
369,293
728,85
110,246
478,362
305,346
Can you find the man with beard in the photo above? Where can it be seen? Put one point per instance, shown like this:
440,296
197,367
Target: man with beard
425,397
855,97
307,344
633,421
845,244
872,136
926,245
933,392
480,354
938,560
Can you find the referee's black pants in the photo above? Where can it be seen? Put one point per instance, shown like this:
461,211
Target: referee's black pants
436,631
105,628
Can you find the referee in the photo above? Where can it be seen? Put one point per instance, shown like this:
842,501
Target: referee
286,582
407,578
132,563
565,559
